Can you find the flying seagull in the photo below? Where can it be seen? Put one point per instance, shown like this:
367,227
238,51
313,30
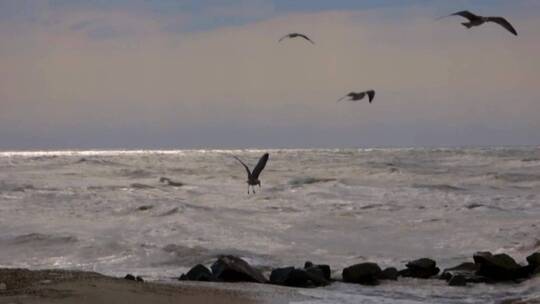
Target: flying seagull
475,20
295,35
253,177
354,96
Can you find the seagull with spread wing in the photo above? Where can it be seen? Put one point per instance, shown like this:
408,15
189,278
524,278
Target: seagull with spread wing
355,96
475,20
296,35
253,176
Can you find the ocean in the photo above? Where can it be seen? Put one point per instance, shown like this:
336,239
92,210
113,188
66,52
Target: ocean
107,211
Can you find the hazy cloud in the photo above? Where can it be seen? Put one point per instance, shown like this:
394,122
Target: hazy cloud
89,76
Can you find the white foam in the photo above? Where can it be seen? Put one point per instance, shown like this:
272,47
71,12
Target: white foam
364,211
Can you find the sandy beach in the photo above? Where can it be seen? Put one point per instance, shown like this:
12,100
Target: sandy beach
62,286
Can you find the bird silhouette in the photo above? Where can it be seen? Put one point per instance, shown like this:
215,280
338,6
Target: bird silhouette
295,35
253,176
475,20
170,182
355,96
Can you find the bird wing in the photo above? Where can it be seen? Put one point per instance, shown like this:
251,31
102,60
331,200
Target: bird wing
342,98
464,14
286,36
371,95
359,96
351,94
306,37
260,165
245,166
504,23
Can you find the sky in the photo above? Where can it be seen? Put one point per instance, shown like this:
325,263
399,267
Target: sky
173,74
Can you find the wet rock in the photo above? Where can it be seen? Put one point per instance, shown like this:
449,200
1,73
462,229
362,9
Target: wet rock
197,273
3,286
233,269
316,276
457,280
390,273
499,267
284,276
445,276
130,277
363,273
325,269
293,277
467,270
534,260
423,268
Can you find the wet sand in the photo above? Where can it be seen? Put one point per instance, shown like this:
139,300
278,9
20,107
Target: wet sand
59,287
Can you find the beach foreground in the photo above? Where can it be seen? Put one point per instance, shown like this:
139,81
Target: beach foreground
63,286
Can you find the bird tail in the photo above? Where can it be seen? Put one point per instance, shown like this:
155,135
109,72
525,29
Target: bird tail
467,25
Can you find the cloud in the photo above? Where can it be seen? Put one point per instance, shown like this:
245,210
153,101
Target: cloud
103,72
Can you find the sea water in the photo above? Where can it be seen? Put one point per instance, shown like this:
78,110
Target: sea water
107,211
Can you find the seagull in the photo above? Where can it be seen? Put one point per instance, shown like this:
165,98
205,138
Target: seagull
294,35
354,96
253,177
475,20
170,182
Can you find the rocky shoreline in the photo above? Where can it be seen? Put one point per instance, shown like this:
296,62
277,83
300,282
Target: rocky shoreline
230,279
486,268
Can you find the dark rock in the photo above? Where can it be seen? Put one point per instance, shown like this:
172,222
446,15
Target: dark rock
197,273
534,260
283,276
390,273
457,280
308,266
290,276
467,270
363,273
422,268
145,207
130,277
423,263
317,276
499,267
445,276
465,267
233,269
